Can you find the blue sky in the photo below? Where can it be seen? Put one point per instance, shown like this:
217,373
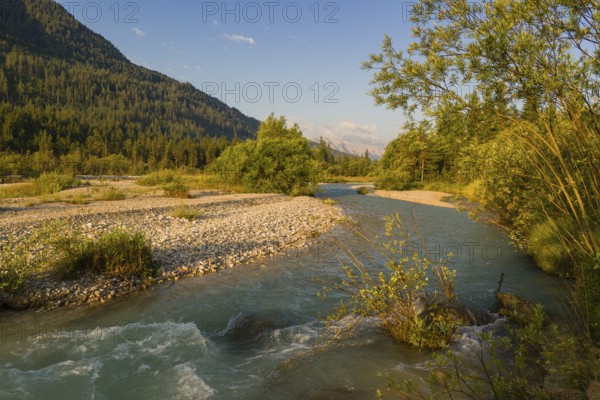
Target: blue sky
297,58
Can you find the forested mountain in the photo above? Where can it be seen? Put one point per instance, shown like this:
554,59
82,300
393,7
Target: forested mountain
66,91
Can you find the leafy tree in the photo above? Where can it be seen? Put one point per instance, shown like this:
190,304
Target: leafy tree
540,57
280,160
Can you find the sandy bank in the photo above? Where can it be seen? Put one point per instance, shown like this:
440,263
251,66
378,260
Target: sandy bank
438,199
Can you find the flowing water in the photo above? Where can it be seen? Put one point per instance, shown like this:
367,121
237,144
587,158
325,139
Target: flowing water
254,332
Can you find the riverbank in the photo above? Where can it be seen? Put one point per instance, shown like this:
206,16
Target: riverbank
437,199
232,229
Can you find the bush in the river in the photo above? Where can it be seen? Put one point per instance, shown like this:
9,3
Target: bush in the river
529,360
177,188
362,190
117,254
412,297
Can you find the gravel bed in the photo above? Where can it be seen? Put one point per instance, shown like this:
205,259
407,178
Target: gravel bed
232,230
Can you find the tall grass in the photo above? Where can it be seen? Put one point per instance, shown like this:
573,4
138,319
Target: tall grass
50,253
566,157
115,254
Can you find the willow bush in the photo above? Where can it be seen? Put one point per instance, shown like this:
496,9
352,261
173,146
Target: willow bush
412,296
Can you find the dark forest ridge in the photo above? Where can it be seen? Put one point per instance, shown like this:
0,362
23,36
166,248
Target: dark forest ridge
67,89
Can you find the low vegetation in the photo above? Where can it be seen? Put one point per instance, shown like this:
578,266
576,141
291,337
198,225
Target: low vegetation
49,253
113,194
117,253
186,212
46,184
177,188
362,190
412,296
532,359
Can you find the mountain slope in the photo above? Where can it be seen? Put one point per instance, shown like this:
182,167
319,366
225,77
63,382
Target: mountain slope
64,84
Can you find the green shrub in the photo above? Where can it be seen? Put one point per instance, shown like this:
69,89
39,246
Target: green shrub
162,177
177,188
115,254
113,194
52,182
21,260
548,249
362,190
279,161
531,360
394,293
187,213
46,184
15,264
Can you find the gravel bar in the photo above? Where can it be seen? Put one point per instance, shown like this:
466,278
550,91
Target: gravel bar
234,229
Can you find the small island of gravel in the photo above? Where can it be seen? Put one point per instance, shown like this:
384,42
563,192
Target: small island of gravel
232,229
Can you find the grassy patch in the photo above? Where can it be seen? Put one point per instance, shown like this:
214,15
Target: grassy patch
200,181
330,202
113,194
188,213
177,189
49,253
115,254
157,178
348,179
45,184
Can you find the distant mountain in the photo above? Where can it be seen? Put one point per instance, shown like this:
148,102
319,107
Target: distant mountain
354,149
60,82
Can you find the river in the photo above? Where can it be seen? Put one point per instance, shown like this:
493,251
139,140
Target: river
255,331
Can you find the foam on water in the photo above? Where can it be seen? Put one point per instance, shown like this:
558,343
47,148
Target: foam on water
77,363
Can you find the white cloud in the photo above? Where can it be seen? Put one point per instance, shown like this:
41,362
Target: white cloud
138,32
199,68
239,39
349,136
176,50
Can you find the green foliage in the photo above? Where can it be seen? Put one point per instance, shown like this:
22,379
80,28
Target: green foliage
362,190
50,253
177,188
20,260
532,361
70,100
513,107
549,251
279,161
46,184
396,293
115,254
188,213
113,194
52,182
156,178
